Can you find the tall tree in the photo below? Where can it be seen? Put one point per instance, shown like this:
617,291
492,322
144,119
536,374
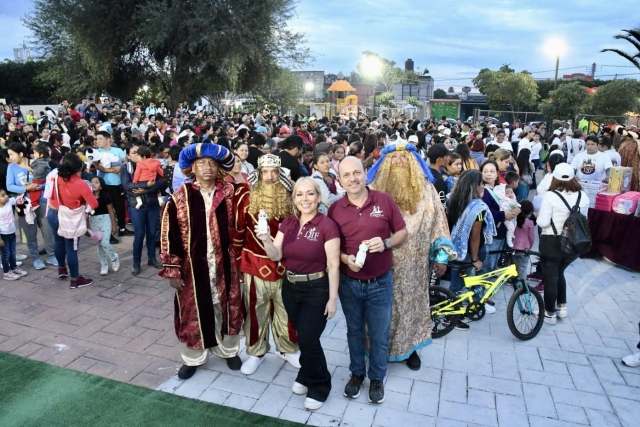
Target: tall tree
440,94
179,45
614,100
633,37
506,89
566,102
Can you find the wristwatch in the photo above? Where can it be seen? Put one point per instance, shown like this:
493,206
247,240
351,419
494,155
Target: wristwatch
387,245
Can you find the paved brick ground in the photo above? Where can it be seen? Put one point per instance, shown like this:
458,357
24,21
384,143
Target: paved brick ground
570,375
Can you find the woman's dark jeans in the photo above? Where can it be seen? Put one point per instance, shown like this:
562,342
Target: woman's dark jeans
554,263
305,303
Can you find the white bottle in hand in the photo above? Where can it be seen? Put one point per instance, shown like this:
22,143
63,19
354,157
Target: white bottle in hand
263,225
362,254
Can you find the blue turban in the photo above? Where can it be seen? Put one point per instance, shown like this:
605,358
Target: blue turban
393,147
196,151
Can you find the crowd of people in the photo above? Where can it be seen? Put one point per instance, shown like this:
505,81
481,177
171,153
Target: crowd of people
264,221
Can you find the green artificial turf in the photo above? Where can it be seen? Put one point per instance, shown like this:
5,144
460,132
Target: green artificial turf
36,394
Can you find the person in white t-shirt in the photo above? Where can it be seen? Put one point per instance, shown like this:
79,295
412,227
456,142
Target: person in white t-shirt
501,141
507,131
604,146
575,145
591,165
516,135
536,147
525,140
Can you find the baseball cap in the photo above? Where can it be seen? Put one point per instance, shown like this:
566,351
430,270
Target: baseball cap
413,139
436,152
505,124
261,129
564,172
284,129
557,132
440,127
447,131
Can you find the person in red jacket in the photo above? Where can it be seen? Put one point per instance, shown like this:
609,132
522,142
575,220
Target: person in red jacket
74,113
306,136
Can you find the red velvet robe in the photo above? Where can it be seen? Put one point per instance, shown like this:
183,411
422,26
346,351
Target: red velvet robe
183,254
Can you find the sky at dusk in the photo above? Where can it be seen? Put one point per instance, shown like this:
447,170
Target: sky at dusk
453,40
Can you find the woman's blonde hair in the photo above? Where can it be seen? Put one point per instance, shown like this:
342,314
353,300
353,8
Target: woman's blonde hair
500,154
313,182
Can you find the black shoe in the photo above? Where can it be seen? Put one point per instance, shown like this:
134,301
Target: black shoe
154,263
125,232
376,392
234,363
462,326
186,372
413,362
490,302
113,240
135,270
352,390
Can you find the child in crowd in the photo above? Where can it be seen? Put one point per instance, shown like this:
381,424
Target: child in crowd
103,219
39,168
454,169
8,238
146,170
524,238
507,202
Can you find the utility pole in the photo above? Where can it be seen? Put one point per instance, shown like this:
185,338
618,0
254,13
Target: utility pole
593,70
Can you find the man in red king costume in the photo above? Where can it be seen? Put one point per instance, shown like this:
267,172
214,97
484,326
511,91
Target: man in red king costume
262,291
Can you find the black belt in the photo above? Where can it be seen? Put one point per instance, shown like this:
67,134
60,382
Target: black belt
367,281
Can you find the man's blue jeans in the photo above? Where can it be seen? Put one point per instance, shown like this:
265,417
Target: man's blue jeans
490,261
145,223
63,248
368,304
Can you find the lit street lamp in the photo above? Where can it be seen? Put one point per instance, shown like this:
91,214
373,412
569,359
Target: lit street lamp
308,87
373,69
555,47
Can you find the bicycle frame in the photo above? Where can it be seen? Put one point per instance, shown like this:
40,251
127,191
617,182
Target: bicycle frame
491,287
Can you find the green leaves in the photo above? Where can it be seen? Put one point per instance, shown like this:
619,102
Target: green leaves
633,37
614,100
506,89
439,94
565,102
176,46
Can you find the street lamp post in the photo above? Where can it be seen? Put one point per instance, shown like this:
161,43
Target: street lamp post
308,87
373,69
555,47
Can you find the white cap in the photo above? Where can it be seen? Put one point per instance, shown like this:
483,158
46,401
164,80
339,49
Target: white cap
505,124
440,127
413,138
447,131
564,172
492,125
557,132
374,123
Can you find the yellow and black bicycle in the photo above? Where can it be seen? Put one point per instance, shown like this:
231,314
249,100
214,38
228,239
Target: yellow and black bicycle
523,310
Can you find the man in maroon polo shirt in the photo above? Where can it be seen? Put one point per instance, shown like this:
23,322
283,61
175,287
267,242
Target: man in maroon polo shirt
373,219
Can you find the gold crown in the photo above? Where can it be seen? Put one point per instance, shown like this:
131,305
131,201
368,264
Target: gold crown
401,146
269,161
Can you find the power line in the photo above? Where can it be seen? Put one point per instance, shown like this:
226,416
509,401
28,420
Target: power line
531,72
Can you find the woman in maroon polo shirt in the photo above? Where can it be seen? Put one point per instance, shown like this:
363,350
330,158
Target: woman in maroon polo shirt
310,246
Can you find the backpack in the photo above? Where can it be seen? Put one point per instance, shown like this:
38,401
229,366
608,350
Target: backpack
575,236
72,223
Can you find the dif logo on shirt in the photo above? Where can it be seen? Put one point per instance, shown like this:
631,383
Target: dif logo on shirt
312,235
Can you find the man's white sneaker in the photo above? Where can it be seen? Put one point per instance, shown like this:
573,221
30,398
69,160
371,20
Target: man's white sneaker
251,365
632,360
549,320
11,276
104,270
292,358
561,312
489,309
21,257
312,404
299,388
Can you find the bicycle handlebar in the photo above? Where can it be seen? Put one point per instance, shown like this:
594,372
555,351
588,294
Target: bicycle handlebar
515,251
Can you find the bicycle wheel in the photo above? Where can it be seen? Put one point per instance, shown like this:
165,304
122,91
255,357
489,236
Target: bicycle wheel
441,325
525,323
